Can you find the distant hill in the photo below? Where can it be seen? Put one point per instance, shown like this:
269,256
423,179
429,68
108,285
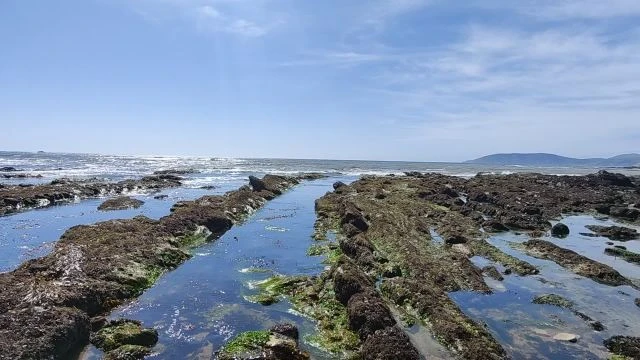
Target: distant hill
542,159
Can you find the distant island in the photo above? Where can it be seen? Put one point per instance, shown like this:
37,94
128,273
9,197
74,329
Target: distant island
542,159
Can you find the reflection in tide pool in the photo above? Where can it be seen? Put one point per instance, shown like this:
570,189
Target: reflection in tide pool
526,330
201,305
33,233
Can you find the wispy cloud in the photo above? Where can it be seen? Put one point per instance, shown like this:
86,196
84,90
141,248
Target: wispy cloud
236,17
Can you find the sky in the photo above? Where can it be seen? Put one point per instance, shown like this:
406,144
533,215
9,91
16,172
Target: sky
423,80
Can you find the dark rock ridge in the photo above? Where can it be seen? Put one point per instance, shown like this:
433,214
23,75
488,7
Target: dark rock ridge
394,231
46,304
16,198
624,345
120,203
20,176
8,169
176,172
619,233
575,262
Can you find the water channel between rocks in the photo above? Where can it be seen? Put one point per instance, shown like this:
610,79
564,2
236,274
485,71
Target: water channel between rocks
201,305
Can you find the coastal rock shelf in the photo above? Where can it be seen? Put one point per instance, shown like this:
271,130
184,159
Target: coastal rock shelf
20,197
410,242
49,306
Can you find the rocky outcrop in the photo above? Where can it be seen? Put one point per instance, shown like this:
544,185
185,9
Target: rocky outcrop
394,232
17,198
560,230
619,233
120,203
125,339
47,303
575,262
8,169
279,343
624,345
176,172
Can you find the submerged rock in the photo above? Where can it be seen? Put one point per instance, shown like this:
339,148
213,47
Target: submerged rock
120,203
264,345
560,230
618,233
566,337
575,262
637,301
492,272
8,169
624,345
125,339
553,299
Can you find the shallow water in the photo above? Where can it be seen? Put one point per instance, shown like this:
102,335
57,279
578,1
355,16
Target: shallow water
526,329
201,305
30,234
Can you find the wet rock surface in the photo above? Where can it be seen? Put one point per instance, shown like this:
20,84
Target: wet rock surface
120,203
575,262
395,231
618,233
391,221
560,230
125,339
624,345
622,252
279,343
17,198
46,303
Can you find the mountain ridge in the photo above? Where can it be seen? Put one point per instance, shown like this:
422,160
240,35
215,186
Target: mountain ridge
547,159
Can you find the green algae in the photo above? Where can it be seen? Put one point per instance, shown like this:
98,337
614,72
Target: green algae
139,277
190,241
245,342
127,352
317,250
627,255
124,332
555,300
520,267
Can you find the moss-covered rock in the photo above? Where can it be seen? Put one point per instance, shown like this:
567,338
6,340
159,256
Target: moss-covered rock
128,352
264,345
624,345
627,255
553,299
120,203
124,332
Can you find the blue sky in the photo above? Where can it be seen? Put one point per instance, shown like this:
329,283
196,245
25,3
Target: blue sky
379,79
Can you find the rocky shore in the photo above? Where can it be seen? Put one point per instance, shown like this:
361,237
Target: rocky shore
15,198
50,305
405,242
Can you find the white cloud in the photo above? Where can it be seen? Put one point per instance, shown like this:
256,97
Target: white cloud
237,17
